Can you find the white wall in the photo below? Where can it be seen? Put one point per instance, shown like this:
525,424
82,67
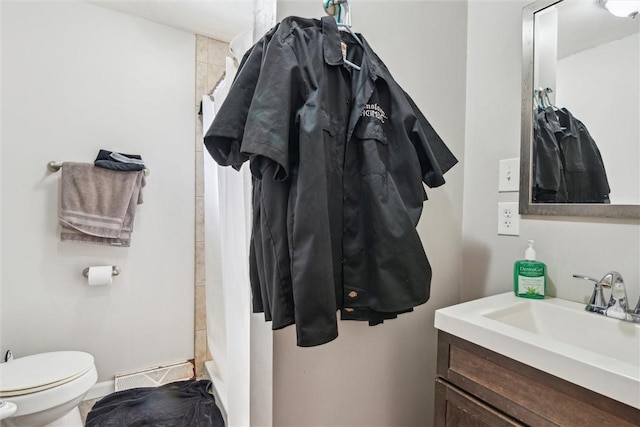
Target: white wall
76,78
566,245
1,181
586,82
384,375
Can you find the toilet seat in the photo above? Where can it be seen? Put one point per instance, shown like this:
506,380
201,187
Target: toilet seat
43,371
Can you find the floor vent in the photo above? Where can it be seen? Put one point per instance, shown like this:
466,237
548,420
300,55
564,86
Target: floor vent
154,377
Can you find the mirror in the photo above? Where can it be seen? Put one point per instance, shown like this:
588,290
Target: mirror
580,147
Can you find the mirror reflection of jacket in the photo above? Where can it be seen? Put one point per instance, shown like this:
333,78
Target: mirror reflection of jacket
568,166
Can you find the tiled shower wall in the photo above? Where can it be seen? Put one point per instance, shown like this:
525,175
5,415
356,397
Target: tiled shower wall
210,67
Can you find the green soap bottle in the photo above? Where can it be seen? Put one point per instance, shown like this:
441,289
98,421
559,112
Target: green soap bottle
529,275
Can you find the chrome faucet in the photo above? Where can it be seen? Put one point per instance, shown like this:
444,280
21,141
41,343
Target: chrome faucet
617,306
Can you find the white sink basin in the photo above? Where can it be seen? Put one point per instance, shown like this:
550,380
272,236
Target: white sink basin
555,336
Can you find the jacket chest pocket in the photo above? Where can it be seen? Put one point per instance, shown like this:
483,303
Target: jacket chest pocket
373,148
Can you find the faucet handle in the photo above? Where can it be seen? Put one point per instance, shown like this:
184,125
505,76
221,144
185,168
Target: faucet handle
596,281
597,303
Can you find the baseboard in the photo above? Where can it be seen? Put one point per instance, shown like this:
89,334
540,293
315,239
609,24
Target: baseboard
100,390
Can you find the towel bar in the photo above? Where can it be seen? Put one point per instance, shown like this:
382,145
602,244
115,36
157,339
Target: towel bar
114,272
56,166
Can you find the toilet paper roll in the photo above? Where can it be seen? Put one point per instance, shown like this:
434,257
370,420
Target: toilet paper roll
100,275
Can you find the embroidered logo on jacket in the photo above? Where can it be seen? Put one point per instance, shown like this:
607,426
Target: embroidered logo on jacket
375,111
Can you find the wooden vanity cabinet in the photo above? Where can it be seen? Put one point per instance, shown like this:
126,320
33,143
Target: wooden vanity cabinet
478,387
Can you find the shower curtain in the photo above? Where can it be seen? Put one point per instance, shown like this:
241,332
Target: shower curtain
227,199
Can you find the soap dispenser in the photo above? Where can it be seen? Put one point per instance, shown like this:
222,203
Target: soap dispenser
529,275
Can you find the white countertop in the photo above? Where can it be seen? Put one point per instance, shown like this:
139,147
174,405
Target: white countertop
555,336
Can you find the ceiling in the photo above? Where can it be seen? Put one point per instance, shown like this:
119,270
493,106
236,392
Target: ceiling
217,19
584,24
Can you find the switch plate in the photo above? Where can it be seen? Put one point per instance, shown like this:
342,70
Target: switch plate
508,219
509,175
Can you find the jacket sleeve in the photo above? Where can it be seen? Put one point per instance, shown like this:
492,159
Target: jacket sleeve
434,156
224,137
270,131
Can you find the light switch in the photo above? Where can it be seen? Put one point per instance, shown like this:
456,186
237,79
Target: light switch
509,175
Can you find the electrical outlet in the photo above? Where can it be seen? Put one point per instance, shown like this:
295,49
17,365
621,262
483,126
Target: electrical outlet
508,219
509,175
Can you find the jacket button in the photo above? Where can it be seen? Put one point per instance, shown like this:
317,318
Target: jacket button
352,294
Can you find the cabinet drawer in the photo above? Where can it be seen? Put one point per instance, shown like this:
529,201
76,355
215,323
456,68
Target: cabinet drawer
457,408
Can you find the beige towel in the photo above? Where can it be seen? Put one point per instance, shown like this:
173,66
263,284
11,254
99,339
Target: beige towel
98,205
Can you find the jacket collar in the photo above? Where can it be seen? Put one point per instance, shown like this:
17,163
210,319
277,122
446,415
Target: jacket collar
331,41
333,51
561,122
567,120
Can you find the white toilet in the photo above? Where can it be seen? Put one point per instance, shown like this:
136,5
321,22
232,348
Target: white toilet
46,388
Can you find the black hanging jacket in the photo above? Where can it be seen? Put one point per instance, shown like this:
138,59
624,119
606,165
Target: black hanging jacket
339,158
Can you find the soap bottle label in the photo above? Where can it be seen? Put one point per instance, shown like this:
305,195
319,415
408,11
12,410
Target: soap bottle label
531,280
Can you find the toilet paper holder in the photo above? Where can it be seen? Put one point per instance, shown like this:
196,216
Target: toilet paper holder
115,270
